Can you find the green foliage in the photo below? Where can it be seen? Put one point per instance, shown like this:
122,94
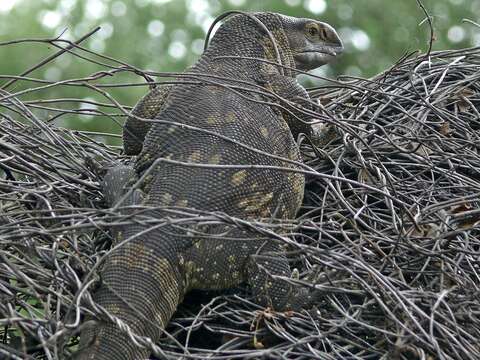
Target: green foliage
167,35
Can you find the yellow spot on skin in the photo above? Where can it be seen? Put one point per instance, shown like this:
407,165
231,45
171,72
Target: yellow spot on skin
239,177
294,153
195,156
231,259
268,69
267,198
213,88
182,203
231,118
297,185
264,132
166,199
255,203
243,203
212,120
113,308
216,276
189,266
215,159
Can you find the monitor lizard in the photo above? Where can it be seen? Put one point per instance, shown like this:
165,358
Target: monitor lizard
218,144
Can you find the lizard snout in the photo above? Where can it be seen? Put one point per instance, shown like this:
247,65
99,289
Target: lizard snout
331,38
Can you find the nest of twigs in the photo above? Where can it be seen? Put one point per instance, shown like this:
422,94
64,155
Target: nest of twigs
388,232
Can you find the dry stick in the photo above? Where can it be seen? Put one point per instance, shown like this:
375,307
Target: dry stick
432,33
383,289
471,22
51,57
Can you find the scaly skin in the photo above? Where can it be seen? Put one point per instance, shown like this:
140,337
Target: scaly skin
135,130
144,280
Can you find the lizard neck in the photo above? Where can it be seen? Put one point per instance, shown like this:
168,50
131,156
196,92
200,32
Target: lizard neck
241,44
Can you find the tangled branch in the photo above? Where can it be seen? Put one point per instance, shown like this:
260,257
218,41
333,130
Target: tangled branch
388,232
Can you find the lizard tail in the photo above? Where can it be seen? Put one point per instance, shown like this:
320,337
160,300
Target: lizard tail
142,291
140,286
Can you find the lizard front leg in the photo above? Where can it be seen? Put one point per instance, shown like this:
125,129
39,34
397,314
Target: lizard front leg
148,107
298,121
270,261
289,90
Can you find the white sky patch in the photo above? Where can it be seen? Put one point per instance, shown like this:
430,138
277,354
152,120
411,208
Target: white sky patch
476,39
95,9
360,40
198,18
155,28
197,6
118,8
293,2
87,108
65,6
63,62
315,6
97,45
53,73
207,22
49,19
200,12
7,5
456,34
177,50
197,46
81,29
179,35
106,30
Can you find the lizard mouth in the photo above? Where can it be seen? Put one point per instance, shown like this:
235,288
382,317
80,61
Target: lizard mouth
310,59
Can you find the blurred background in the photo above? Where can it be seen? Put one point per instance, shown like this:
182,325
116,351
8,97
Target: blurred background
168,35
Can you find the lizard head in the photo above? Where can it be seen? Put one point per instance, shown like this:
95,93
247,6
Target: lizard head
300,43
313,43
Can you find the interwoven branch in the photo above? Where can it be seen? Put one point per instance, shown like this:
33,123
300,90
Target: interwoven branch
388,232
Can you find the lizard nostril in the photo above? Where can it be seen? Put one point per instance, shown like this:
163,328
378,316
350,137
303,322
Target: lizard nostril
324,34
333,39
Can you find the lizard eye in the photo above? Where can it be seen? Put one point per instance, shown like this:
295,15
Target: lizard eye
312,30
